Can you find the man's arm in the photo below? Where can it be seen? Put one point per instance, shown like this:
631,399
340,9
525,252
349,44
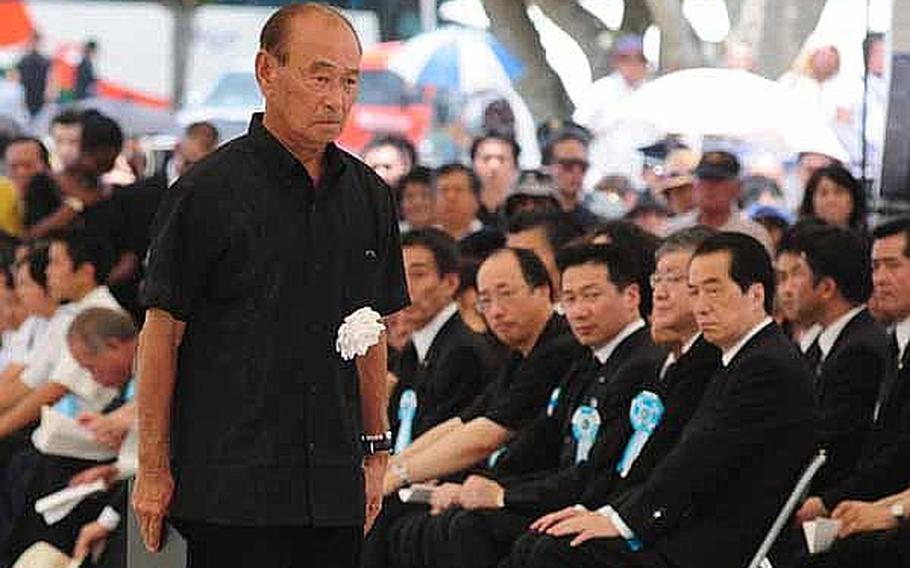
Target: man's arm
28,410
458,450
158,343
12,389
428,438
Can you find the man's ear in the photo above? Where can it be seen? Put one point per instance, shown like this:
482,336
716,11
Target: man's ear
266,68
451,281
757,295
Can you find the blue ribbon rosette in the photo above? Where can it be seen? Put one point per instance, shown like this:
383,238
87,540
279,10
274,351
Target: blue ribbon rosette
585,424
407,410
645,414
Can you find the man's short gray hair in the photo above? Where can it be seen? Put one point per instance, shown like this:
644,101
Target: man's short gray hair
96,327
684,240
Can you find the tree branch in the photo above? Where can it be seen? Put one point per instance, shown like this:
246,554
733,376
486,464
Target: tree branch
585,28
540,87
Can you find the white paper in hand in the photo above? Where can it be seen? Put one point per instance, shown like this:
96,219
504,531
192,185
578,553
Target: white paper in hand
60,435
57,506
820,534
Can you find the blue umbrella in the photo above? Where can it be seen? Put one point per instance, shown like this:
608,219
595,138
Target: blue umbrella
457,59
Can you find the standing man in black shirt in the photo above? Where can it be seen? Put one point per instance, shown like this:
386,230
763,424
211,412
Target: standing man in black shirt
254,436
33,71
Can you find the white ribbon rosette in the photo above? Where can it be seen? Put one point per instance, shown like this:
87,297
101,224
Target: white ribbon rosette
360,331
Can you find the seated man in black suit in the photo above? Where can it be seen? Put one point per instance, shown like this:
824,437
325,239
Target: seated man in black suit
497,513
709,502
446,365
881,469
515,295
827,273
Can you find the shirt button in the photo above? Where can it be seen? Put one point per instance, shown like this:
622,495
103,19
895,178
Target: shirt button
312,327
313,390
312,447
317,267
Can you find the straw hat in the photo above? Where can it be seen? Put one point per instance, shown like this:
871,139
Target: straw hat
678,169
44,555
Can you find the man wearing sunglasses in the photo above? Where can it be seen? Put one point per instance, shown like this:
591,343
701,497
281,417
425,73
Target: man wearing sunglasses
566,154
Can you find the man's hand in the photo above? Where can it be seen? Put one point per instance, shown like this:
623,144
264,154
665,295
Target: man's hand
107,429
587,525
107,473
812,509
481,493
90,535
544,523
859,517
374,470
151,500
444,497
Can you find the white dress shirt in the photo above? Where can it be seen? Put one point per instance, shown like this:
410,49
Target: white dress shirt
423,338
829,335
604,352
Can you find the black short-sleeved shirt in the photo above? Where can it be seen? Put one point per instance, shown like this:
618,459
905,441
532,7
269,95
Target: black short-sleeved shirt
263,267
523,388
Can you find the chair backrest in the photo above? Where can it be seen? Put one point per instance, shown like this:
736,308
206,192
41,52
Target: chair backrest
796,496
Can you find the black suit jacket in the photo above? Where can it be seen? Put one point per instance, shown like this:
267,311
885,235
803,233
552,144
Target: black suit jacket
846,390
882,466
711,500
457,367
612,385
681,390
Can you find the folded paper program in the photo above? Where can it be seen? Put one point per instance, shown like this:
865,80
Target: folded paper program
57,506
820,534
60,435
360,331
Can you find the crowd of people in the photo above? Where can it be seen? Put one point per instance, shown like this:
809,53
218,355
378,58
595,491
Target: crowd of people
605,377
72,242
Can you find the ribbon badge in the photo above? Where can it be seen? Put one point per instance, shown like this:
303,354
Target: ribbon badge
407,410
645,413
585,424
554,400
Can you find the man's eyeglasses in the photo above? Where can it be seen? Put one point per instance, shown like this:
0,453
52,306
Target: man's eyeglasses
504,297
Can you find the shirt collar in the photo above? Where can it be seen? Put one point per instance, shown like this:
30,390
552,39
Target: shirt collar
94,295
902,332
730,353
604,352
808,337
281,160
830,334
423,338
671,357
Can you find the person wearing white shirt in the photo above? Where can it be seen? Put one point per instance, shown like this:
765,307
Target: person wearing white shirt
611,151
78,265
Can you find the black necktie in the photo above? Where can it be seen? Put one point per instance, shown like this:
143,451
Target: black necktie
814,356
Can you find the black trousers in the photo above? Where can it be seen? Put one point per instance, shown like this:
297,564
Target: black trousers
542,551
215,546
481,539
883,549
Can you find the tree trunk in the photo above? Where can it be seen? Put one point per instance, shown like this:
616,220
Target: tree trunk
680,48
183,12
776,30
539,86
636,17
588,31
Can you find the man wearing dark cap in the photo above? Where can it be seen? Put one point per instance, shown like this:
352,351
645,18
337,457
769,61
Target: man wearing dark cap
717,187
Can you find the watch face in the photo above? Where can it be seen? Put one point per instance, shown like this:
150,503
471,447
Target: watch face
898,510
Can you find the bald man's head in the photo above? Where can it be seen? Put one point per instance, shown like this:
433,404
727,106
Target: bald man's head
273,39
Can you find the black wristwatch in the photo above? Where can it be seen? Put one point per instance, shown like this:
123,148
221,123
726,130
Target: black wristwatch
375,443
